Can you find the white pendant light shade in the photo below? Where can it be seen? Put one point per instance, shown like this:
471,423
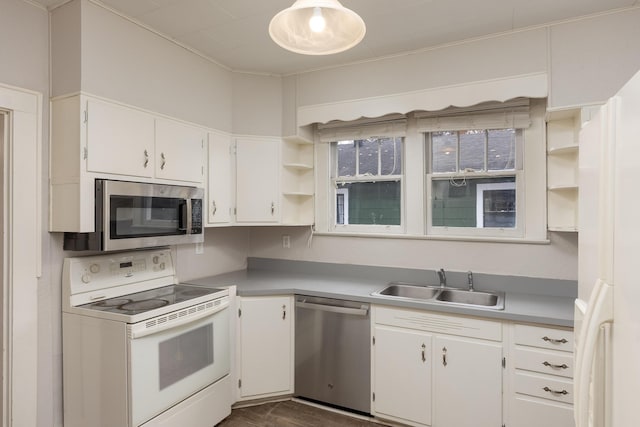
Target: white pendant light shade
317,27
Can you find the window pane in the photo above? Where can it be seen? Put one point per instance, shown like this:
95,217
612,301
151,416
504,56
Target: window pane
472,150
368,157
346,158
369,203
391,156
477,202
502,149
443,151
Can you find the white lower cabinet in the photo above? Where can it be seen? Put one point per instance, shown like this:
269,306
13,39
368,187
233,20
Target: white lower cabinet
467,382
430,369
402,374
265,329
541,371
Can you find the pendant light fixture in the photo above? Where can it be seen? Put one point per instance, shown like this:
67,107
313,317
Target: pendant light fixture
317,27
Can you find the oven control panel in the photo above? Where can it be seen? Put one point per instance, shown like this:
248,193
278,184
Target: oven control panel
92,278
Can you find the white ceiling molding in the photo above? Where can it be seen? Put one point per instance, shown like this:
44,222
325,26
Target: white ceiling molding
435,99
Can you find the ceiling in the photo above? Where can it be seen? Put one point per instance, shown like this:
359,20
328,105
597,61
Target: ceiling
234,33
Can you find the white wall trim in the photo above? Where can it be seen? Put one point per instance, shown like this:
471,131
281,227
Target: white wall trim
22,254
533,85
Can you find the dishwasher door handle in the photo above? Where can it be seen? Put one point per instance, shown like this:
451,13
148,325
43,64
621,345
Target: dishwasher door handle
333,308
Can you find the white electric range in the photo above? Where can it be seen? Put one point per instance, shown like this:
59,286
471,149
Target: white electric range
139,348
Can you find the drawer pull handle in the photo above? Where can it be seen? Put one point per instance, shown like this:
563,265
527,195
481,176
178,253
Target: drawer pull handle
284,312
554,341
444,356
551,365
563,392
424,356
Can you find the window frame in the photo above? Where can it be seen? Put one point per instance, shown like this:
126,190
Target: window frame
518,173
414,196
335,180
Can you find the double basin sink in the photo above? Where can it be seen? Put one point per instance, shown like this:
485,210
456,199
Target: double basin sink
469,298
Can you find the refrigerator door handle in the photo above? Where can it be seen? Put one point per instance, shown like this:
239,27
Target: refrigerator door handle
599,311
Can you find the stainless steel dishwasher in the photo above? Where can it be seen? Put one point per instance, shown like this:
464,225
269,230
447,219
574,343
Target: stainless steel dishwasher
332,352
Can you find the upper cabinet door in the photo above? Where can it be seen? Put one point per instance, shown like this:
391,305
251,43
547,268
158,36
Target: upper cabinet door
120,140
257,180
219,178
179,151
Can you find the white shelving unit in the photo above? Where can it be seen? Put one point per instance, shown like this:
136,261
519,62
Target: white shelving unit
298,179
563,128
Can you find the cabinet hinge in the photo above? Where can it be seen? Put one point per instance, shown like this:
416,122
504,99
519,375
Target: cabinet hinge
85,153
240,385
373,340
235,211
232,149
239,312
504,365
374,396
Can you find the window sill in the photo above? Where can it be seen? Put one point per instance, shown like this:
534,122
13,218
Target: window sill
516,240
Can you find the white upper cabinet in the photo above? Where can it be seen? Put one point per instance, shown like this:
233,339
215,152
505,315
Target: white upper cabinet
96,138
257,180
219,179
179,151
119,140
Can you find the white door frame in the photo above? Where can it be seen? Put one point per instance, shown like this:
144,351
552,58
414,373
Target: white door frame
22,254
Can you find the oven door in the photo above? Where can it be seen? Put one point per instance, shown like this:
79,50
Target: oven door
142,215
169,365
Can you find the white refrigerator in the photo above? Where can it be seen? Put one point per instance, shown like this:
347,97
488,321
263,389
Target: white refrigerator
607,311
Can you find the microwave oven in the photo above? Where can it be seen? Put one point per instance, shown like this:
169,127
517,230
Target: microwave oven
131,215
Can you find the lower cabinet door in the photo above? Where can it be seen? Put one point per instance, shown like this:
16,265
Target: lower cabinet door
402,375
266,346
467,383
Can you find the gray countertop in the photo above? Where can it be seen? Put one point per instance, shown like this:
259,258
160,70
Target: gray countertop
519,306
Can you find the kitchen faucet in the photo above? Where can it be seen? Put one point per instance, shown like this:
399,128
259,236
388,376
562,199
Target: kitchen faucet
470,281
442,277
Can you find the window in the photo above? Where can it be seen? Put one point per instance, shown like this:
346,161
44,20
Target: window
473,181
368,182
458,173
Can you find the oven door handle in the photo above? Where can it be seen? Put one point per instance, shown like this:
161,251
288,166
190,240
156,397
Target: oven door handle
168,321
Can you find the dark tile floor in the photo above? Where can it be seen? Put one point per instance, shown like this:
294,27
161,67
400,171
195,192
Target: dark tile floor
290,414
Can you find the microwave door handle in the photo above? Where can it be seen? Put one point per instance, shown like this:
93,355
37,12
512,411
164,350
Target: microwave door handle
183,215
189,215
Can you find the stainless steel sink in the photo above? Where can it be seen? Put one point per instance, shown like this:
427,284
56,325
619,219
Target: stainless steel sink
465,297
406,290
485,299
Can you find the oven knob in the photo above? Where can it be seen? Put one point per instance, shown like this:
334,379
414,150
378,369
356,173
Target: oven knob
85,278
162,266
156,259
94,268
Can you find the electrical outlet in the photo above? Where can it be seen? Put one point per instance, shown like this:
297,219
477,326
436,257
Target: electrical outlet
286,241
199,248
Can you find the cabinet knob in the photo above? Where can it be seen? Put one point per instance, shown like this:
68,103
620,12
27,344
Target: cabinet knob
164,161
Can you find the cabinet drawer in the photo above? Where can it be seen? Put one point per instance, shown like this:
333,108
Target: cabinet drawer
432,322
545,386
537,336
531,412
547,362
